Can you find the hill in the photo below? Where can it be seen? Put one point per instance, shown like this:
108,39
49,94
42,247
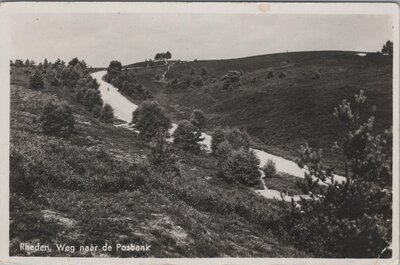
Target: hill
96,186
292,106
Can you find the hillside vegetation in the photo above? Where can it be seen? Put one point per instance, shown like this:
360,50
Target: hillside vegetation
96,186
283,100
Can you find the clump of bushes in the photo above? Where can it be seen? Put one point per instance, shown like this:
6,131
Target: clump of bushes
269,169
187,136
149,118
57,118
181,83
352,219
270,74
236,163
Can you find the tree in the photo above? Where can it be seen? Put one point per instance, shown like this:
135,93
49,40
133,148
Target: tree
162,156
231,80
240,166
269,169
238,138
107,114
114,67
73,62
150,119
91,98
351,219
187,136
198,118
57,118
26,62
168,55
388,48
36,81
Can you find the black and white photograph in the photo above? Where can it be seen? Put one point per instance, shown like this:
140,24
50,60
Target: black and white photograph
200,130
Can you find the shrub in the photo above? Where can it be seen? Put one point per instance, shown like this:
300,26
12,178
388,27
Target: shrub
218,136
352,219
241,166
162,156
269,169
231,80
150,118
187,136
198,118
282,74
107,114
270,74
203,71
36,81
57,118
254,80
237,138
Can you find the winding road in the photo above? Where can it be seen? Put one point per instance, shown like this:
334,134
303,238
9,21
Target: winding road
123,109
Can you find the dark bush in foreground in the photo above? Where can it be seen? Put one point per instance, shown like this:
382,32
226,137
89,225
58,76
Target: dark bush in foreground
235,137
150,119
57,118
270,74
187,136
240,166
107,114
352,219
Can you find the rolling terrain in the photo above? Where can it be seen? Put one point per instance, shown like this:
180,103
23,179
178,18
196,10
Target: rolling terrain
95,187
280,113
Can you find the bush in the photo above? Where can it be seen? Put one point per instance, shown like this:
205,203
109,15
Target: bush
36,81
270,74
269,169
218,136
203,71
96,111
231,80
162,156
187,136
91,98
238,138
282,74
57,118
150,119
107,114
241,166
235,137
198,118
352,219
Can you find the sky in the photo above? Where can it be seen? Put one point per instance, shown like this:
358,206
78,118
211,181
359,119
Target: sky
129,38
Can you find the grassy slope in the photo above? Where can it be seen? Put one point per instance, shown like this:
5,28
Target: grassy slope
282,113
192,216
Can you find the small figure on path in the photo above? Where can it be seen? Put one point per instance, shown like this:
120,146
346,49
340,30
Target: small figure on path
108,89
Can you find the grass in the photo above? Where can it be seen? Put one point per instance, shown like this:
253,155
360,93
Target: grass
94,187
282,113
282,181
